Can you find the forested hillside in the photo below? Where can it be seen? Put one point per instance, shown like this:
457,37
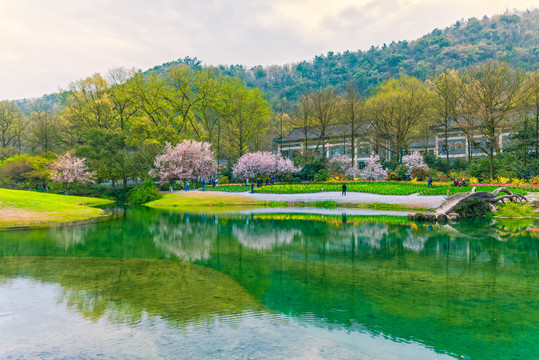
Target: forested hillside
510,37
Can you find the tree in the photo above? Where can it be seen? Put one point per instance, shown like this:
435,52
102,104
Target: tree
398,106
302,120
245,115
44,131
353,113
69,169
413,161
445,87
323,105
491,91
187,160
373,170
11,125
262,163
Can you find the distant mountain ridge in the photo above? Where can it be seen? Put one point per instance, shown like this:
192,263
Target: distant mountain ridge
512,37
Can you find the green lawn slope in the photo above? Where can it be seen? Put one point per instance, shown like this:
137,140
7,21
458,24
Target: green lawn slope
20,208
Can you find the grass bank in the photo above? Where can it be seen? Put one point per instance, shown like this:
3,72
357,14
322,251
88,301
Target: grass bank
218,202
203,200
19,208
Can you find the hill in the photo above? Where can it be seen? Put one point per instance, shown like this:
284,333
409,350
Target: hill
512,37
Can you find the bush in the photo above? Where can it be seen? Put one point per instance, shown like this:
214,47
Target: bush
144,193
473,207
286,178
310,169
322,175
224,180
400,173
420,174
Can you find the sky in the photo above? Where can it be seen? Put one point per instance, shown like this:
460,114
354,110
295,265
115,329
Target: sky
47,44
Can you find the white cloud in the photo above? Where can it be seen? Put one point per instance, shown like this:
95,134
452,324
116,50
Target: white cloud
47,44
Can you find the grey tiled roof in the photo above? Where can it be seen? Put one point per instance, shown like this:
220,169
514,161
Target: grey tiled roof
334,130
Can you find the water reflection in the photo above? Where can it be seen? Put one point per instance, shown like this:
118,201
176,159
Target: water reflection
469,288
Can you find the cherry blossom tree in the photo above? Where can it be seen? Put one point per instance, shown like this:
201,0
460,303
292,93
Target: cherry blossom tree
373,170
260,163
187,160
69,169
344,164
415,160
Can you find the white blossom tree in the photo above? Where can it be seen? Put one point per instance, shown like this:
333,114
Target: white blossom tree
185,161
373,170
69,169
415,160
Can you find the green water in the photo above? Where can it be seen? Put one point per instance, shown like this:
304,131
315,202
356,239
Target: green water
158,284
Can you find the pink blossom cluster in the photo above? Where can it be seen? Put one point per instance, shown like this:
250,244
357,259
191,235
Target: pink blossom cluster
415,160
261,163
344,163
187,160
69,169
373,170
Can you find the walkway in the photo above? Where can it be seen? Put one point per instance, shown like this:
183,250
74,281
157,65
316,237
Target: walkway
429,201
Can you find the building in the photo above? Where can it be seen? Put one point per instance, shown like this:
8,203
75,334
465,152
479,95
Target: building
339,142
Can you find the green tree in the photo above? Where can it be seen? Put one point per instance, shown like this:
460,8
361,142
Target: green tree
445,87
396,109
491,90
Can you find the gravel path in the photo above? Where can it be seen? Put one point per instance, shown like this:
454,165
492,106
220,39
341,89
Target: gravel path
430,201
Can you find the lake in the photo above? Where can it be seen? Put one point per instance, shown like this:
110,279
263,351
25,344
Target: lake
270,284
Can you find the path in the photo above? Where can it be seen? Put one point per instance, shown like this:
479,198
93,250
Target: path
429,201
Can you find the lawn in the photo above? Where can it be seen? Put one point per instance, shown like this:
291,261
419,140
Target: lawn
20,208
203,199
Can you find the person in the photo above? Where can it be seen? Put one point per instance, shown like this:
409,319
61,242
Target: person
463,183
267,181
272,180
456,183
187,186
213,181
247,181
343,189
430,183
203,185
252,187
216,182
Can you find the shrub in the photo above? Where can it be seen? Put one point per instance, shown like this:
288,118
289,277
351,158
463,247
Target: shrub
473,207
322,175
224,180
147,191
420,174
400,173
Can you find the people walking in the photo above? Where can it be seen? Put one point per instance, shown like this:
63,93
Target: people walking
343,189
430,183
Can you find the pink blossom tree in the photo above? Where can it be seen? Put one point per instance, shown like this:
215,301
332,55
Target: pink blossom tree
344,164
373,170
415,160
261,163
69,169
185,161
